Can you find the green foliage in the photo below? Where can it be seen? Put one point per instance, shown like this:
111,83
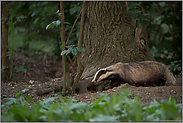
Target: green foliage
175,67
56,23
136,13
72,49
114,108
163,34
32,16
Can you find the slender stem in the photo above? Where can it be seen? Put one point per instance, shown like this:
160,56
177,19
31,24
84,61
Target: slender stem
63,45
81,68
73,28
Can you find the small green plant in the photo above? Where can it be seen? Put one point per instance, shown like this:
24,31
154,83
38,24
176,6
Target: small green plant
76,51
21,68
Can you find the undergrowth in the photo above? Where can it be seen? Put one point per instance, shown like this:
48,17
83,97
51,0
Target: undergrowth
115,108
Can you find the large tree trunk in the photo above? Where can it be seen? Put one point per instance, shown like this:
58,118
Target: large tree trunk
4,44
108,38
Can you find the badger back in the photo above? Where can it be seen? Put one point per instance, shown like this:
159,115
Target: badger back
146,72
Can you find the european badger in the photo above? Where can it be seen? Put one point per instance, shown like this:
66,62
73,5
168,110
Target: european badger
147,73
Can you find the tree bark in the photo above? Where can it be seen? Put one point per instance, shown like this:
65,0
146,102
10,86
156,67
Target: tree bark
4,44
108,39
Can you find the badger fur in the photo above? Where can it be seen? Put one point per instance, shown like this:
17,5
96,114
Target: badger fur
147,73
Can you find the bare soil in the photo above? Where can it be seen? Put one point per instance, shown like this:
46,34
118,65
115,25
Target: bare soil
44,73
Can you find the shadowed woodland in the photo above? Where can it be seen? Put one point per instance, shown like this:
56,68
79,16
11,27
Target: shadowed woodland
50,49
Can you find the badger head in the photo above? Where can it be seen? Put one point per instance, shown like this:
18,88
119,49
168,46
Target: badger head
103,74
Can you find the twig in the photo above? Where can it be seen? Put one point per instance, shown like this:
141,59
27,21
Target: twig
170,31
73,28
145,27
162,11
69,59
156,6
81,68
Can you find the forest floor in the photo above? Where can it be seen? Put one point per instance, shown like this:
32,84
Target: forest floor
44,73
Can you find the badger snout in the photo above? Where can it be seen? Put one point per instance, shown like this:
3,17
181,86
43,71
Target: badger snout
94,81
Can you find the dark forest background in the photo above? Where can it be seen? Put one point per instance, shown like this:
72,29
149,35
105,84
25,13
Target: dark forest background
161,24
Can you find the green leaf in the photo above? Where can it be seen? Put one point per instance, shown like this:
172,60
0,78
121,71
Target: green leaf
54,23
49,26
63,52
67,23
98,100
68,51
3,67
57,12
65,99
74,51
172,101
60,14
106,97
145,14
78,106
19,113
70,46
10,101
80,49
49,100
22,91
29,99
24,70
23,101
20,18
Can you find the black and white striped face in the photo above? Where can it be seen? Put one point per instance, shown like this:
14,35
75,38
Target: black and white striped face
98,74
102,74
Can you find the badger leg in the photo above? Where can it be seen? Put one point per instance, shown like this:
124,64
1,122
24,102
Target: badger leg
109,86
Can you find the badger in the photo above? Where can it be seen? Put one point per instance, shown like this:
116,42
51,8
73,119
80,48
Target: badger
144,73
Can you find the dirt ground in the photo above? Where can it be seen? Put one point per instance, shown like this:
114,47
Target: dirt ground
43,73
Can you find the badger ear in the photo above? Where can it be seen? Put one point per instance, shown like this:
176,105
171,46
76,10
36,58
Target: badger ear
98,68
108,70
